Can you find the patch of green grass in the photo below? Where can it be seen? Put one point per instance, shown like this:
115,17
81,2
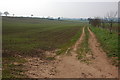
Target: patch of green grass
109,42
13,67
84,46
50,58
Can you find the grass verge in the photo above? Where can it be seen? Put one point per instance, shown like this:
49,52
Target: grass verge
109,42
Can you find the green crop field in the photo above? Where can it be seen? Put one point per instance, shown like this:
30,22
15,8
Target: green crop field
31,36
27,34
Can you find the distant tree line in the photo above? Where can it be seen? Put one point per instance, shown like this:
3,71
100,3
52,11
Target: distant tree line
5,13
109,19
95,22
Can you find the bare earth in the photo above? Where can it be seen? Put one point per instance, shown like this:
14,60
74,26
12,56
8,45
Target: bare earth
68,66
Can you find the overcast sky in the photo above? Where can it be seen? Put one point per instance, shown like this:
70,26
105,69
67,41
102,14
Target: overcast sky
62,8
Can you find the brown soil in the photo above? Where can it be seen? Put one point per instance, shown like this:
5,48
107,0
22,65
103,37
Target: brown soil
68,66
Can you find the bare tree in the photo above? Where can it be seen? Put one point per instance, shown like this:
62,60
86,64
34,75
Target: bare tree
58,18
103,21
31,15
95,22
6,13
110,17
0,13
13,15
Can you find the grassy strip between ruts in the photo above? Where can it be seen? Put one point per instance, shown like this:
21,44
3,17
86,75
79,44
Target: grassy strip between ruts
109,42
84,47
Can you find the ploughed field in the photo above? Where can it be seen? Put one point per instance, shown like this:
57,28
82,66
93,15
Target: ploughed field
25,35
